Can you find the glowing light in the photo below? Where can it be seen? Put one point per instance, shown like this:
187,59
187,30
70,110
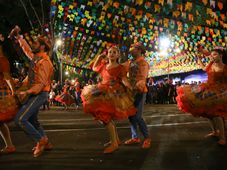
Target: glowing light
66,73
177,50
163,53
58,42
164,42
17,64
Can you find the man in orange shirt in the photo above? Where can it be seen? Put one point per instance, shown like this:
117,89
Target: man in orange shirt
77,92
38,83
138,72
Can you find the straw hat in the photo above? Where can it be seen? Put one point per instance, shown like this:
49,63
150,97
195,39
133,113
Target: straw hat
139,46
45,41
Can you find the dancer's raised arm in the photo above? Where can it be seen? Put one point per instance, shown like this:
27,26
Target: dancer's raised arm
23,43
204,52
97,61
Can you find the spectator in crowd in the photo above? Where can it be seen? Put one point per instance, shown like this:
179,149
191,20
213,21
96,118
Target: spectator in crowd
77,86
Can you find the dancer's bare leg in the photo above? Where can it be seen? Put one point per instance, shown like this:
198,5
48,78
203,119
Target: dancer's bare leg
117,137
221,127
5,133
215,131
110,126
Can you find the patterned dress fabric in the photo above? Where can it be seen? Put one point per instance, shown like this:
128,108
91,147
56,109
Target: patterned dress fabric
8,103
109,99
65,97
207,99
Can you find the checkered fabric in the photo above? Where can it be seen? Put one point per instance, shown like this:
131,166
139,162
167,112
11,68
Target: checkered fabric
4,91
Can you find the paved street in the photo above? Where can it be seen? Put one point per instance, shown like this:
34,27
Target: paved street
177,143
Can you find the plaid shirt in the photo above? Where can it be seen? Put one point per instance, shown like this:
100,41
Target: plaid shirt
138,72
4,90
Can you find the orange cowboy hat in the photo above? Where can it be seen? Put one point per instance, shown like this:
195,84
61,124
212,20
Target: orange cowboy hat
45,41
139,46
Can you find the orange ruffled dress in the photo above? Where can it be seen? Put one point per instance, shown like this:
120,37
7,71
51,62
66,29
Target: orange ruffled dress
109,99
207,99
8,103
65,97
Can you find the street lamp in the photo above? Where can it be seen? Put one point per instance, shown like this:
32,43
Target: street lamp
17,64
58,42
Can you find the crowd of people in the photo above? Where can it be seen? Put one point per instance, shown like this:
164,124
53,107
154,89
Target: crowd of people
120,93
164,91
160,92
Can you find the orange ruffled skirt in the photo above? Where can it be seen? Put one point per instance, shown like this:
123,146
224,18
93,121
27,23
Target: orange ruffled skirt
65,98
9,106
206,100
107,104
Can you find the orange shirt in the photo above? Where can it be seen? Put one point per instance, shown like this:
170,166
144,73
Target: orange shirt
77,86
43,72
43,69
138,73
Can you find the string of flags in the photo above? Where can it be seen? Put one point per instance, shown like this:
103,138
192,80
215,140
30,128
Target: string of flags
87,27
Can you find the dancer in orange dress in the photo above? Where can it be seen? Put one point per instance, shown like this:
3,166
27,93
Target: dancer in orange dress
110,99
8,103
65,98
208,99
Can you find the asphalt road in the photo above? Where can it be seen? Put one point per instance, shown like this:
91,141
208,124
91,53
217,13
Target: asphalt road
178,143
